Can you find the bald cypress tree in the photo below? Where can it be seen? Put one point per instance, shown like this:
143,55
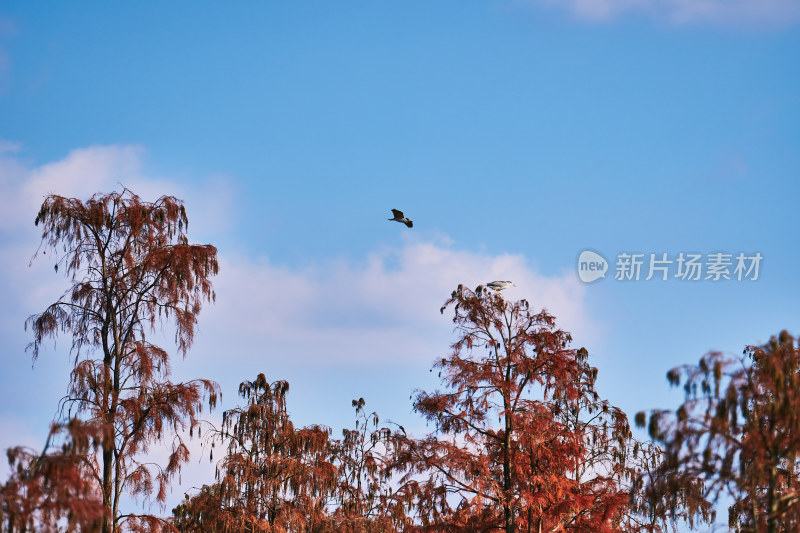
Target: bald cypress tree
737,434
131,269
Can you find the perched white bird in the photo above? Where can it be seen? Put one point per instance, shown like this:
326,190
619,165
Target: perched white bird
399,217
500,285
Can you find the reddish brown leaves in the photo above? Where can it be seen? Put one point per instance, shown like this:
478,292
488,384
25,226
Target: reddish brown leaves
363,498
273,478
523,440
738,432
130,265
47,490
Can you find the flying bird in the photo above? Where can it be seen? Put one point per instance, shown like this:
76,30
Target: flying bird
399,217
500,285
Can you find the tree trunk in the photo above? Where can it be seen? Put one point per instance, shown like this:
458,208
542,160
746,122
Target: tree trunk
508,512
507,486
108,459
772,501
530,518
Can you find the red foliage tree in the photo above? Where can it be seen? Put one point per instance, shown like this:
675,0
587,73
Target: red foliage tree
662,497
274,478
49,492
738,433
131,268
524,443
363,500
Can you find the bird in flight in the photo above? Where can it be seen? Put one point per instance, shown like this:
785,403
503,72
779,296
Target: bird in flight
399,217
500,285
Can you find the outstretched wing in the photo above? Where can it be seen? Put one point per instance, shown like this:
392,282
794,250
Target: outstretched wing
409,223
397,214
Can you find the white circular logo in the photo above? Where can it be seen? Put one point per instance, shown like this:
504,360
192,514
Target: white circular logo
591,266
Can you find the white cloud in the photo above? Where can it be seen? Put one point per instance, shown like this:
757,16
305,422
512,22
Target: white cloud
86,171
383,311
725,12
82,173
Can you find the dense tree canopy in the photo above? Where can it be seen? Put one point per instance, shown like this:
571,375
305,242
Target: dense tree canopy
523,441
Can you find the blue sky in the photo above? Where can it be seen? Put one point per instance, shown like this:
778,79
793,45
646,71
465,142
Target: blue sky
514,133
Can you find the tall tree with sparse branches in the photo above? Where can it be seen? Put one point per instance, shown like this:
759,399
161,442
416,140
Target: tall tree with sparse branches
131,270
363,499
